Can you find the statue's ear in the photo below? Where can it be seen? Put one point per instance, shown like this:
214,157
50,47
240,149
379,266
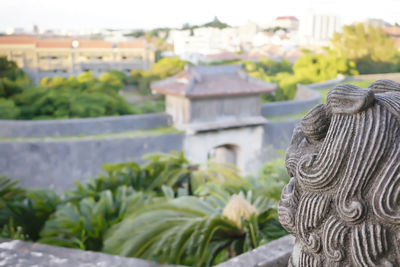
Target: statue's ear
349,99
384,85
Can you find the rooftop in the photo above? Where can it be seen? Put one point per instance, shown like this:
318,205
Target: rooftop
53,43
207,81
60,42
18,39
287,18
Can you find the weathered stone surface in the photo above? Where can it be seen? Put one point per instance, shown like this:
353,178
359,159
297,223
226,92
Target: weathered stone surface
56,164
24,254
273,254
342,203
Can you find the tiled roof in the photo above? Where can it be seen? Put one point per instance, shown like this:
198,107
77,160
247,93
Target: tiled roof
18,39
392,30
132,44
207,81
54,43
287,17
94,44
67,42
397,42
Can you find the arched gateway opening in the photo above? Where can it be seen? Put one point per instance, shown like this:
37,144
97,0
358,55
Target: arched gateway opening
226,153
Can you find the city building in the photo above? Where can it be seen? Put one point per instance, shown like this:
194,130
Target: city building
219,108
41,57
318,29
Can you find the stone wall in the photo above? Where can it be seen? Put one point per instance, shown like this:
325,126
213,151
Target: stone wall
87,126
27,254
53,153
52,163
277,134
273,254
247,140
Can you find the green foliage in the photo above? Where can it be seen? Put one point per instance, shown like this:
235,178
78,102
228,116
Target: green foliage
164,68
112,81
371,48
8,110
152,106
189,230
9,88
29,213
216,23
270,180
10,71
318,68
9,191
83,224
59,97
308,69
137,33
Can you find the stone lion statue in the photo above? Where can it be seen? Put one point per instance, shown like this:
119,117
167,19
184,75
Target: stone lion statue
343,201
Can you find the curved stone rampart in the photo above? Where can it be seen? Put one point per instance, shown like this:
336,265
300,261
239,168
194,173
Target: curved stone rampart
83,126
306,98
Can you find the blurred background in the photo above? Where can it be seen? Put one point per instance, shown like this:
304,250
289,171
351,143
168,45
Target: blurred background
156,129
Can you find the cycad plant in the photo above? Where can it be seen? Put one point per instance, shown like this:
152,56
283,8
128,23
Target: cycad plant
193,231
172,170
82,224
28,213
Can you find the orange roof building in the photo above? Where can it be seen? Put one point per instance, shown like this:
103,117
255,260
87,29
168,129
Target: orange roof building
41,57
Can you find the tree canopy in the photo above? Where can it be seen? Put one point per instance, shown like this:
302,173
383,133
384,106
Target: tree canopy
371,48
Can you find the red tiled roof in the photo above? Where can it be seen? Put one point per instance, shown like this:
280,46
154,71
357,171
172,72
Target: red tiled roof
287,17
224,56
132,44
392,30
54,43
94,44
397,41
207,81
18,39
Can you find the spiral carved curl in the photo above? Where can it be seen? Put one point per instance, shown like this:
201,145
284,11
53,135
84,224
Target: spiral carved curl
343,202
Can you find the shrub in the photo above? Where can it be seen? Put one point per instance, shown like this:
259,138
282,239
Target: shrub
8,110
29,212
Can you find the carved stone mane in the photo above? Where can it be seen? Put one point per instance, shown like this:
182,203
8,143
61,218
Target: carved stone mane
343,201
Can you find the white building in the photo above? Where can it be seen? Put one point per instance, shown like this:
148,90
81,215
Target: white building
197,43
317,29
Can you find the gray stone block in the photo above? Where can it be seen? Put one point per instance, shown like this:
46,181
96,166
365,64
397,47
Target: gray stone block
25,254
56,164
273,254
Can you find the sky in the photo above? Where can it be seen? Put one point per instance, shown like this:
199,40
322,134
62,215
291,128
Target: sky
147,14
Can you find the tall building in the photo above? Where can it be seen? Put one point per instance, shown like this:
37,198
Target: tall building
41,57
318,29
